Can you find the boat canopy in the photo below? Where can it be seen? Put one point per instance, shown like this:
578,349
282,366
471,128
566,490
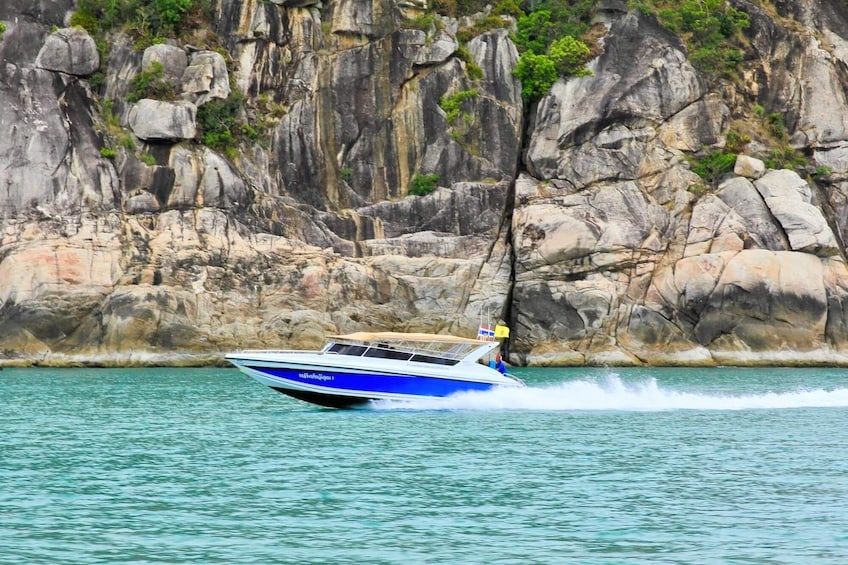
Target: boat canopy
399,336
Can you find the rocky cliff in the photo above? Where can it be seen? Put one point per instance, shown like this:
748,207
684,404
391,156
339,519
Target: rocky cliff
251,184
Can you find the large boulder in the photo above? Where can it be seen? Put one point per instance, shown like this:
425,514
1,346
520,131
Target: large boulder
582,232
157,120
174,60
735,217
747,166
71,51
206,78
789,198
765,300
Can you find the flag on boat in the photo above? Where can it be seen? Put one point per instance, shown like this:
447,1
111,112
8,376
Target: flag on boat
485,333
501,331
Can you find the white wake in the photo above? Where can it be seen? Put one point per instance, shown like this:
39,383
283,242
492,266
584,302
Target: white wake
611,393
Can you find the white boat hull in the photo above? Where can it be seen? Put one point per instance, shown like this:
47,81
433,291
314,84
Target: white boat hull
343,381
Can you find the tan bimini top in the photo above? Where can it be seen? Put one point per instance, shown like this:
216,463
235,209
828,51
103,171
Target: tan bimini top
398,336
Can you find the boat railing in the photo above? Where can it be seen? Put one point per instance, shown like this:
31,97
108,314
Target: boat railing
400,351
516,379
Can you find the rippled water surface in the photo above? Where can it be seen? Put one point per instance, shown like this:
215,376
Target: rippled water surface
584,466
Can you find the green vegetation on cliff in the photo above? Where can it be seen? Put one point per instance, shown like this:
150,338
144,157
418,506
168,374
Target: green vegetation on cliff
711,30
452,104
221,124
150,83
713,165
553,39
422,185
143,18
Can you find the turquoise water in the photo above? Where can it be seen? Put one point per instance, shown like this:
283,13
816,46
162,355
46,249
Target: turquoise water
584,466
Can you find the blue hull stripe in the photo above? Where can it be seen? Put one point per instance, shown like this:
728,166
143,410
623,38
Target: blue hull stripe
375,384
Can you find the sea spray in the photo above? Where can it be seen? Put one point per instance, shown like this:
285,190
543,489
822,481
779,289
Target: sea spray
613,393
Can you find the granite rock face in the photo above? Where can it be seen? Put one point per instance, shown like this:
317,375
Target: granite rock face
126,237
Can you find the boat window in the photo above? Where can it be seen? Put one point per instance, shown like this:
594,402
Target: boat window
387,353
434,360
346,349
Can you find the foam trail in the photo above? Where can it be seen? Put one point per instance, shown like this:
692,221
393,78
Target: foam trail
613,394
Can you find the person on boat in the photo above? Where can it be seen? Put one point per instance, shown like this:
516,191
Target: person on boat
500,365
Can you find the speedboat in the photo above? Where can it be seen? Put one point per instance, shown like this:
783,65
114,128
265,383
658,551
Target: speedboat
357,368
